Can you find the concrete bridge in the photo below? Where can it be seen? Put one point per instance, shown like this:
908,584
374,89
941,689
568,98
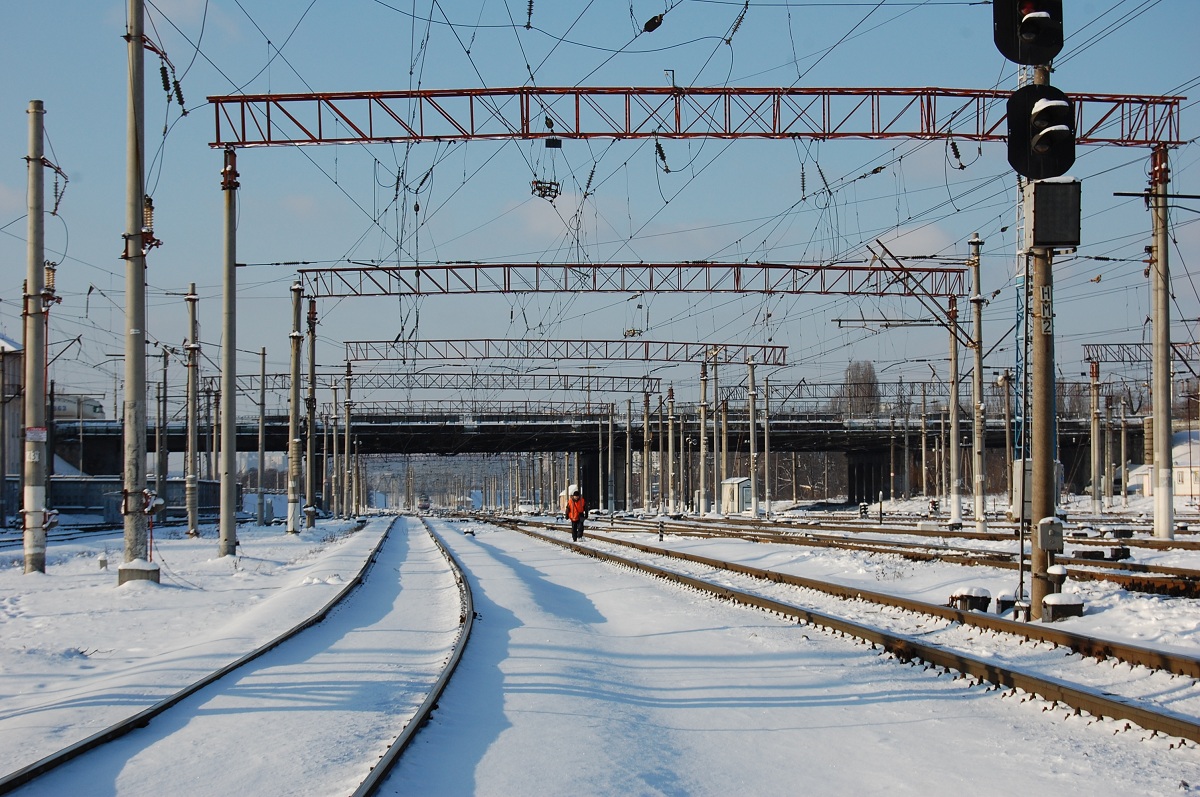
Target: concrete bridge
875,446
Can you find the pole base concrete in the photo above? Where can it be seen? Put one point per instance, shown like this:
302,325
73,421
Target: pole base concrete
137,570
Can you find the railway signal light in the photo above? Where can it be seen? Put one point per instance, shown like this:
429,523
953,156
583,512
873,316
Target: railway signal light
1041,132
1028,31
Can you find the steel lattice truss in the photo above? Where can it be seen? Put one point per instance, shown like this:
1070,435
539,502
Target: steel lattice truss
1131,353
501,411
629,349
697,277
256,120
456,381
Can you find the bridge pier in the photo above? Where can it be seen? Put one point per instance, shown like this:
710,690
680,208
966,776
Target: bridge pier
866,476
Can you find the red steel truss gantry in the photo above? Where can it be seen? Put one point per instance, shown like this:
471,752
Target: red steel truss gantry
629,349
531,112
703,277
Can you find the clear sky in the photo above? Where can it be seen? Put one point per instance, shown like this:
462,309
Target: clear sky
793,201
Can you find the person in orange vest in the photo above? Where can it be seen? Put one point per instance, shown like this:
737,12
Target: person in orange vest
576,512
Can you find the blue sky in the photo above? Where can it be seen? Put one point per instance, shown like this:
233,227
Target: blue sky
721,200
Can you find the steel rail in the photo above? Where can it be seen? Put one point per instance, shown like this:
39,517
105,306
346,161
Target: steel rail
1088,646
28,773
387,761
1150,579
906,648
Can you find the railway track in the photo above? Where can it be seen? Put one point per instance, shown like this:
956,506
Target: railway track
1137,577
910,645
227,675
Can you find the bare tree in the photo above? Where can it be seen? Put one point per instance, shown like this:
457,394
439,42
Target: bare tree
862,388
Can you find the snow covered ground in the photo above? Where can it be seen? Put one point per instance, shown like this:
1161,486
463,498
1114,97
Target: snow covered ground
580,678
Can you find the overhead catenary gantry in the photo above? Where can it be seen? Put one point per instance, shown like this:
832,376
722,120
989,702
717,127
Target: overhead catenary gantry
652,113
437,279
255,120
476,408
629,349
1137,353
372,380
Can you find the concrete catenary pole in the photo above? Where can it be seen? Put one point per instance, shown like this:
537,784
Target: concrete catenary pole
262,436
702,503
160,472
294,456
1095,445
979,424
1109,495
612,473
326,492
228,467
310,404
348,476
718,474
671,498
137,549
1164,489
335,479
767,472
192,456
1042,502
752,424
952,449
662,439
34,482
628,454
646,435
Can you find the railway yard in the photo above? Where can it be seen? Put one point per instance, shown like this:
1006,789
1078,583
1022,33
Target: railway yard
491,655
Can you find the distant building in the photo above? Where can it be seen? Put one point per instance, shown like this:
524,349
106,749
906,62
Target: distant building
1185,465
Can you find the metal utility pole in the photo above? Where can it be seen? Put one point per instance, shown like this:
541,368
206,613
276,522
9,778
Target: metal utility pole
1164,495
34,482
228,412
192,457
294,456
702,503
348,477
952,449
1096,448
262,437
136,243
753,424
310,460
979,424
670,450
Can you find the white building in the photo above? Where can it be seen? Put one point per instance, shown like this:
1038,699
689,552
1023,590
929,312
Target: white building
1185,464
